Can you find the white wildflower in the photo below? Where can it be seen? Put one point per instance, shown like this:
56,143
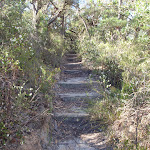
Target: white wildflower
13,40
30,94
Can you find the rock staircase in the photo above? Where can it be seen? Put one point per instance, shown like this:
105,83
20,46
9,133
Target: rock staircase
72,121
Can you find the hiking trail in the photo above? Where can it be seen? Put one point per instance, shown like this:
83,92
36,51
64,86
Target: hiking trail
73,128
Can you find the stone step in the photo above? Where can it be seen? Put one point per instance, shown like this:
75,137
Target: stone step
73,109
74,143
73,59
71,115
80,82
71,55
72,52
73,71
73,65
80,96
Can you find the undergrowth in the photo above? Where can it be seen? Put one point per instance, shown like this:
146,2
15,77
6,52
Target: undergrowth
28,69
118,50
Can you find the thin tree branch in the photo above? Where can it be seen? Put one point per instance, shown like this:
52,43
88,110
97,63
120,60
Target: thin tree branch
54,17
85,25
53,4
73,31
57,15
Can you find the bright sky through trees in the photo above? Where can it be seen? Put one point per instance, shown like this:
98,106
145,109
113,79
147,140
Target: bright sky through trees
84,2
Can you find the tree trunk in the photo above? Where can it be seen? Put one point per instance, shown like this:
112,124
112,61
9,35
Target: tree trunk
119,8
63,25
35,13
35,36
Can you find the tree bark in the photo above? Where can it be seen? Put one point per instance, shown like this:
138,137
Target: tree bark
55,17
119,8
63,25
35,13
35,22
57,14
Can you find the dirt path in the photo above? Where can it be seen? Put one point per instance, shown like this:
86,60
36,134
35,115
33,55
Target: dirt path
73,129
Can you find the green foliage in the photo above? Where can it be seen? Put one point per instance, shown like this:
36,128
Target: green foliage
104,110
29,61
113,23
4,133
48,79
118,50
